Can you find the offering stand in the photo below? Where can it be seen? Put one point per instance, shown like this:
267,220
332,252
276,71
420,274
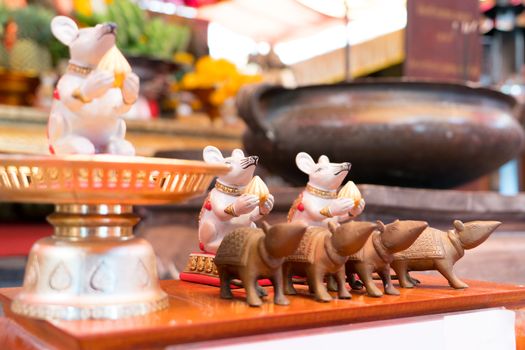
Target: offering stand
93,266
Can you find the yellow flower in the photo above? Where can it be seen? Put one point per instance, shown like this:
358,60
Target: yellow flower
190,81
183,58
83,7
219,74
218,97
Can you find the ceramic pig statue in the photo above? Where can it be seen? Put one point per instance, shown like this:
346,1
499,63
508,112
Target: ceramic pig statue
85,114
323,252
252,253
378,252
318,203
226,207
440,250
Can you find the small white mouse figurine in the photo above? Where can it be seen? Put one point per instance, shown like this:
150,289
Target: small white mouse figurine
226,207
85,114
318,204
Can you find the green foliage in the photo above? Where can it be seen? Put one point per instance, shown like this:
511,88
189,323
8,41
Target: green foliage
140,35
33,23
28,56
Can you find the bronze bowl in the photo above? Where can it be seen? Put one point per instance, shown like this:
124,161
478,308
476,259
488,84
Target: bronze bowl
397,133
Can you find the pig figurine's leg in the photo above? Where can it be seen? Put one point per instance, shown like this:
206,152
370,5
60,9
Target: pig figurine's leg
413,280
354,283
331,283
340,277
249,281
311,288
261,291
401,269
365,274
387,281
446,269
225,278
278,288
315,278
288,283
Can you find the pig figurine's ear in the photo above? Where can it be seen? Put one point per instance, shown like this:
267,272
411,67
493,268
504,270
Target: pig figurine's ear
64,29
212,155
305,163
459,226
266,227
237,153
323,159
332,226
380,226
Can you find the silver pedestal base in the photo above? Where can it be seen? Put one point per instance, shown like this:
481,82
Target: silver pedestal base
99,272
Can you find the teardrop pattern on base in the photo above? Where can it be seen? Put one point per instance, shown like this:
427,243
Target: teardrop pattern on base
60,277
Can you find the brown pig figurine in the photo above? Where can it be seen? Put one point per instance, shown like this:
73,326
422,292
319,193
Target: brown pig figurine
378,253
251,253
324,252
440,250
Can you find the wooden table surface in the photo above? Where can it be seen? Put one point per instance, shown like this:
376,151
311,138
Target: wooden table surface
196,313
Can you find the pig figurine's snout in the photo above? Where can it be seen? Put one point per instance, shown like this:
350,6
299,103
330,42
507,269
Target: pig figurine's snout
472,234
400,235
349,238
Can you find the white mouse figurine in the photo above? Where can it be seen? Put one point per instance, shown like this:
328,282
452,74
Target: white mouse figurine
318,204
85,114
226,207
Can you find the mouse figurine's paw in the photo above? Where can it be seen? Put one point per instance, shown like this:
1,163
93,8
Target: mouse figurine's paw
97,84
73,144
130,88
341,206
245,204
267,207
358,209
121,147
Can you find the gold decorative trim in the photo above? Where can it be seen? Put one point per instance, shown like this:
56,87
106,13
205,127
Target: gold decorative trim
295,207
232,191
326,212
230,210
321,193
203,264
73,68
79,96
69,312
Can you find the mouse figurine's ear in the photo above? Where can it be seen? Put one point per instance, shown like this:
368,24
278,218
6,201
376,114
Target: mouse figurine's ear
323,159
64,29
212,155
237,153
305,163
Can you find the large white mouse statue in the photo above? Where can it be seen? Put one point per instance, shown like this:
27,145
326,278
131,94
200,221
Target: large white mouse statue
226,207
318,203
85,115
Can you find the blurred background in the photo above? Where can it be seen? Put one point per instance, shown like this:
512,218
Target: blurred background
424,97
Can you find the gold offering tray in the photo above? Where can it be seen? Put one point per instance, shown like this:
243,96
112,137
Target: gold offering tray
104,179
93,267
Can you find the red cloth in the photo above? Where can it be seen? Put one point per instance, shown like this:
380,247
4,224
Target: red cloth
17,239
